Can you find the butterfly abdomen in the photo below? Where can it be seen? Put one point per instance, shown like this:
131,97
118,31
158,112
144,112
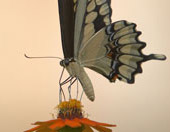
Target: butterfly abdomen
76,70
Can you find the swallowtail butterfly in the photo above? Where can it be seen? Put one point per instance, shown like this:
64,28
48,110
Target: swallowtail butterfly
91,40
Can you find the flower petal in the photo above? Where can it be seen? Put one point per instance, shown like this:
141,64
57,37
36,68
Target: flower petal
45,122
57,124
105,124
72,123
94,123
87,122
87,129
102,129
33,129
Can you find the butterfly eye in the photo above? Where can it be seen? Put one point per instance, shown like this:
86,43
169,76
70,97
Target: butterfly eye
62,63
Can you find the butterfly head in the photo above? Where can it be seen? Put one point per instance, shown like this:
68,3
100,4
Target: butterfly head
66,62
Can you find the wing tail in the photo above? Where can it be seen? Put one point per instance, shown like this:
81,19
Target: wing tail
155,57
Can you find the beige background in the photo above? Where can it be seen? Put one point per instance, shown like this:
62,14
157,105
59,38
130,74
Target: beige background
29,88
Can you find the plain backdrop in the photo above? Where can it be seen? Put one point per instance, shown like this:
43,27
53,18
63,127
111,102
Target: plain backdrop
29,88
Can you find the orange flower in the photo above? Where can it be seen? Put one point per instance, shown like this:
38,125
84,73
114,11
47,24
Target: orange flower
70,119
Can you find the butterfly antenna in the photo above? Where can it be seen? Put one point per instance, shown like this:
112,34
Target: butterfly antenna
42,57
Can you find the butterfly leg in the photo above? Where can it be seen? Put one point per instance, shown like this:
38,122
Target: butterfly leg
77,89
61,89
67,80
81,95
69,88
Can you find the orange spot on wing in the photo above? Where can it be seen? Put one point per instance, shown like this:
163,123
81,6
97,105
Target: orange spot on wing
110,54
115,77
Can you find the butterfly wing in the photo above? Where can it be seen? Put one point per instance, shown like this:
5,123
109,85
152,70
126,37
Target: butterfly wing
115,52
79,21
67,25
91,16
111,49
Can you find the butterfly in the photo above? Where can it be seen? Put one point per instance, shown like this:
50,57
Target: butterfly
91,40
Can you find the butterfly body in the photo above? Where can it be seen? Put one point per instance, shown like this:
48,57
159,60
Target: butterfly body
75,69
91,40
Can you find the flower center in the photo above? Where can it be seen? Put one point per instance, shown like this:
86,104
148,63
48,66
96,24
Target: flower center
70,109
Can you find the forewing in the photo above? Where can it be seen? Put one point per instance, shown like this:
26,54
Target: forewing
67,24
91,16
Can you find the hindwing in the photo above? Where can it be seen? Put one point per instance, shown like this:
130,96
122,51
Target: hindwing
116,52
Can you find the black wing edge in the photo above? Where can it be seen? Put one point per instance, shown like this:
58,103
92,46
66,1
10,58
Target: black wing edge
67,22
115,47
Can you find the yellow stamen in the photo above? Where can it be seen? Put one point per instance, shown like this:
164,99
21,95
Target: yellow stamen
70,109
